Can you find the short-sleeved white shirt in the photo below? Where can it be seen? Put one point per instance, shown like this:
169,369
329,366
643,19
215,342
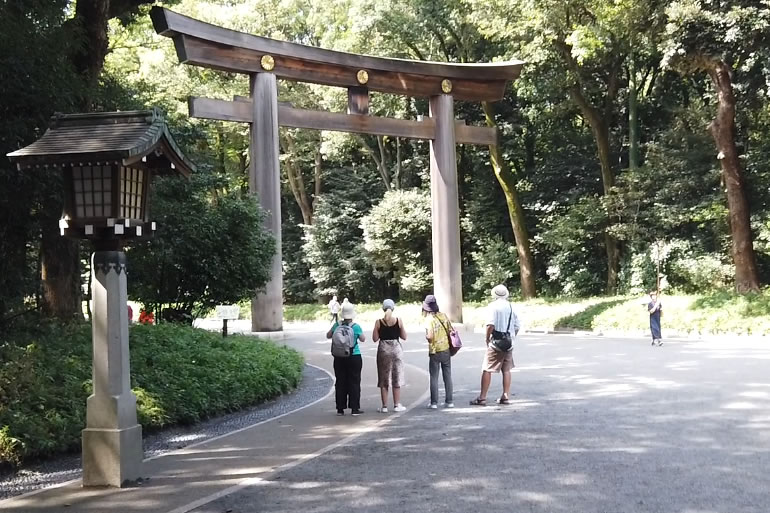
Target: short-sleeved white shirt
499,311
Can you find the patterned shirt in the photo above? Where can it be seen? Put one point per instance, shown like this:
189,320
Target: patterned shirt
440,340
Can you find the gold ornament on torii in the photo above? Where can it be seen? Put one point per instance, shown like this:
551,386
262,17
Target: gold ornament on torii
267,62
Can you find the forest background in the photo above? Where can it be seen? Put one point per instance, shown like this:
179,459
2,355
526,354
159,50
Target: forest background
635,140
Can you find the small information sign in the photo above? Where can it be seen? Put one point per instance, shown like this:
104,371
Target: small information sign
227,313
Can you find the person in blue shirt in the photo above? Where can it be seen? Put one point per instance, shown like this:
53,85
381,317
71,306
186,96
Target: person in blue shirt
347,370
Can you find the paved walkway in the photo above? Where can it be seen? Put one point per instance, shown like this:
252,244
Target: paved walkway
597,425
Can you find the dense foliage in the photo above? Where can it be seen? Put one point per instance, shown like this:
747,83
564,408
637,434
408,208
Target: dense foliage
180,375
209,249
397,235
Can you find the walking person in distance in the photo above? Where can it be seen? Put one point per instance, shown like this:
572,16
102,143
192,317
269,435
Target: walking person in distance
655,309
334,308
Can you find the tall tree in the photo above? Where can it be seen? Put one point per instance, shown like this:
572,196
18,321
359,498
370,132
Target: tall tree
726,41
60,257
447,31
34,82
594,83
584,39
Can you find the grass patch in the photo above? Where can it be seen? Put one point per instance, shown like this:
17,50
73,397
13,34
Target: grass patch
306,312
712,313
180,375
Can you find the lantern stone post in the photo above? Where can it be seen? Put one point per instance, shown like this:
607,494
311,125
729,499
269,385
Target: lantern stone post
112,439
107,161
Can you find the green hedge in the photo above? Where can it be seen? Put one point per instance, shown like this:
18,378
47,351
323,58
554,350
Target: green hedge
180,375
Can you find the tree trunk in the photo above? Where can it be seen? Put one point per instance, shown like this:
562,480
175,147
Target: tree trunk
598,121
611,244
633,117
382,162
601,133
515,211
399,165
296,182
317,173
91,21
60,274
380,158
60,257
723,131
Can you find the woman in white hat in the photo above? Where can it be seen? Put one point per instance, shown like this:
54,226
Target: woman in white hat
390,356
347,369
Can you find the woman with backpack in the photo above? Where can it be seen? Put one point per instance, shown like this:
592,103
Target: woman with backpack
390,356
345,336
437,329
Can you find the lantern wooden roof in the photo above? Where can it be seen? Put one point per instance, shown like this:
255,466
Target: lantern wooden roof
136,138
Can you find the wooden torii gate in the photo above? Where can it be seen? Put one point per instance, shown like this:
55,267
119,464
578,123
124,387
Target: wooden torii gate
265,60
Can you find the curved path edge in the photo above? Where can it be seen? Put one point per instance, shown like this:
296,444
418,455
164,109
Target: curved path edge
184,479
66,469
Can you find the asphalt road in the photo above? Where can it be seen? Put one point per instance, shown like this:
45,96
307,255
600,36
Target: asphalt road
596,425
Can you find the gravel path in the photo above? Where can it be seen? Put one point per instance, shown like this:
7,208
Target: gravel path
315,385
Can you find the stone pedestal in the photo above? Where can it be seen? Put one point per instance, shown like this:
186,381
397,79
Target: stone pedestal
112,440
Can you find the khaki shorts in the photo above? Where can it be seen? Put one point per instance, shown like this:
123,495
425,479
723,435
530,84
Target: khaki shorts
496,361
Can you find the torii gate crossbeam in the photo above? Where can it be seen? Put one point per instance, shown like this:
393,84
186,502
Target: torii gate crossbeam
265,60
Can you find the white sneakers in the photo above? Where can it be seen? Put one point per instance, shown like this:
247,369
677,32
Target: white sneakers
433,406
399,407
449,405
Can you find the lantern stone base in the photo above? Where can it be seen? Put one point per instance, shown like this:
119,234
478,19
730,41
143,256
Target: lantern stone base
112,457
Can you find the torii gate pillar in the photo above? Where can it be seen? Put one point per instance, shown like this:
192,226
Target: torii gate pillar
265,182
445,210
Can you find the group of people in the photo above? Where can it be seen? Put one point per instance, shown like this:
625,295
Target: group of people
389,333
502,326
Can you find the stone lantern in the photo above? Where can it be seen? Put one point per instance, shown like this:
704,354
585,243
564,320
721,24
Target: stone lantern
107,162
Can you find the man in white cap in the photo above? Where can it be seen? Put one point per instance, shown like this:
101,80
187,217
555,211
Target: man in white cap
502,327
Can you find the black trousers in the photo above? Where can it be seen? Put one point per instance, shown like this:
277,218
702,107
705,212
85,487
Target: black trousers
348,385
